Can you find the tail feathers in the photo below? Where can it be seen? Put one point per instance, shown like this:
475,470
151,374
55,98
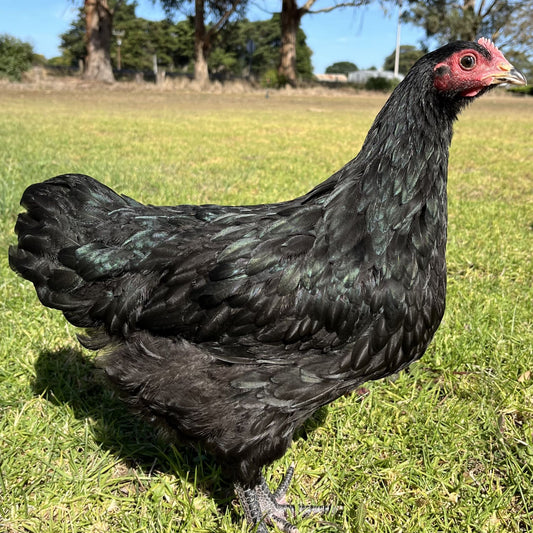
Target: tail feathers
56,287
64,214
69,202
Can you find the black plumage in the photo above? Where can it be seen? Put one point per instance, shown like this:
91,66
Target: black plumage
232,325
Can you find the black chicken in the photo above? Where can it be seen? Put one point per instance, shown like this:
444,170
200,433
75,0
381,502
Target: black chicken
231,325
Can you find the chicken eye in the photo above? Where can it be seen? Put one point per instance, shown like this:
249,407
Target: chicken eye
468,62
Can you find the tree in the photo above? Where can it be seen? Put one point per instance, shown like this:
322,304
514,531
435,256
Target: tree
142,39
231,51
291,16
15,57
518,32
73,42
342,67
448,20
517,36
183,53
509,23
219,12
409,55
172,43
98,31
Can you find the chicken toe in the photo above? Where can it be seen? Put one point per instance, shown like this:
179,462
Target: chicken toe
262,506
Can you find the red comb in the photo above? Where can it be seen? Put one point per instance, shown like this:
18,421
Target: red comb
489,45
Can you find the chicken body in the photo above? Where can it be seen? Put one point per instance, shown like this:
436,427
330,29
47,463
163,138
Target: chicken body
232,325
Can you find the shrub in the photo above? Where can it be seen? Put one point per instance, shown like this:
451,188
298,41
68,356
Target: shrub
380,84
15,57
270,79
525,89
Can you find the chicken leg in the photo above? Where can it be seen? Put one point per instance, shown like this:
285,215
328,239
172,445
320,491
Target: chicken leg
261,506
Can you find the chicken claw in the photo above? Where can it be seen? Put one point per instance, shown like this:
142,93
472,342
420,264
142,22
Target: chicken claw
261,506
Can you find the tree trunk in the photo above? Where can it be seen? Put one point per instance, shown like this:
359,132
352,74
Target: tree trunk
201,45
99,23
470,29
290,22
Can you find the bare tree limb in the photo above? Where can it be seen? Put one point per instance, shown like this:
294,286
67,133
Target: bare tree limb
489,8
224,18
355,3
307,6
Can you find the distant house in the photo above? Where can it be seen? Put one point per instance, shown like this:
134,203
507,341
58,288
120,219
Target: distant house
332,78
362,76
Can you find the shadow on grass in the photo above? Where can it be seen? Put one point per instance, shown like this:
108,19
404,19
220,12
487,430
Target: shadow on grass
68,376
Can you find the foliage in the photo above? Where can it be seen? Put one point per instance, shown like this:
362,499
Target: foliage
214,9
524,89
15,57
446,447
342,67
60,61
518,33
380,84
73,42
142,39
233,39
270,79
449,20
173,43
290,20
210,16
409,55
508,22
517,39
304,66
38,59
183,44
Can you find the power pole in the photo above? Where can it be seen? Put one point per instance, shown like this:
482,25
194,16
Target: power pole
397,55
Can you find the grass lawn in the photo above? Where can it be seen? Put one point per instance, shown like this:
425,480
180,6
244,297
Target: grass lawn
447,447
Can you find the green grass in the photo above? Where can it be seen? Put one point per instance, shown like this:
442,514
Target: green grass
447,447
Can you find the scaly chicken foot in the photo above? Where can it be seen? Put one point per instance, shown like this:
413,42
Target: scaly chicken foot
261,506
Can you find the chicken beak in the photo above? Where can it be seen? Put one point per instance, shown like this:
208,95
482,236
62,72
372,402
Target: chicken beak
506,73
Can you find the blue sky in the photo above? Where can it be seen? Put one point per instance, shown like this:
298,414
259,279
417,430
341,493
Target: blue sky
364,35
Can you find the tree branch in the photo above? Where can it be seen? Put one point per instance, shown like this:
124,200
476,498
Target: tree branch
118,4
355,3
489,8
223,19
261,8
306,8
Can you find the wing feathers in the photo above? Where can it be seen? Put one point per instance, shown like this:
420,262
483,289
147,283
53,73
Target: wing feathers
264,281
